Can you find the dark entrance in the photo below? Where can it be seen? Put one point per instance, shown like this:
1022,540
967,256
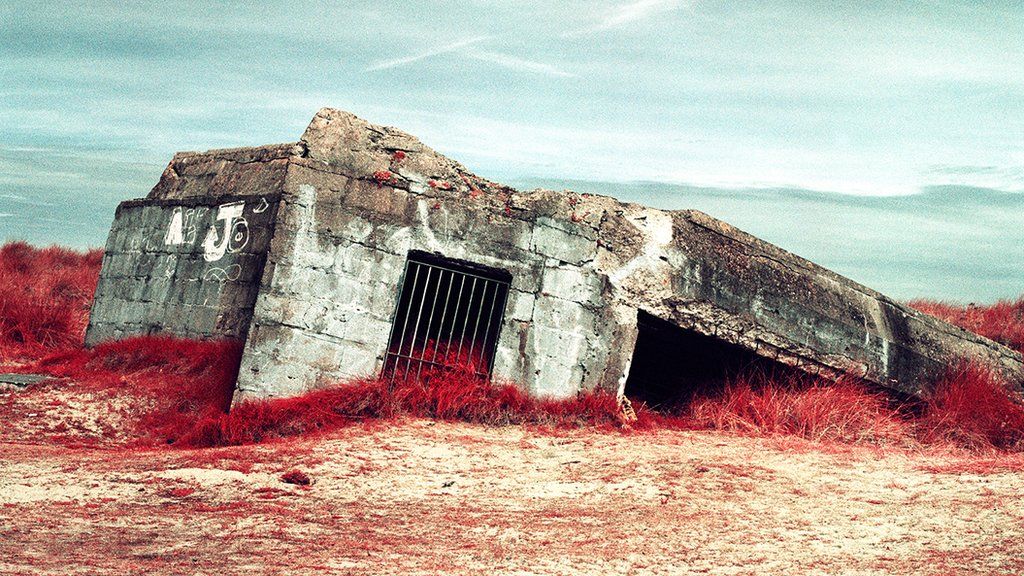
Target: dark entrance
449,314
671,364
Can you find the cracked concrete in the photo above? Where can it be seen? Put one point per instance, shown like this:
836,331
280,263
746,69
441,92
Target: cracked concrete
328,223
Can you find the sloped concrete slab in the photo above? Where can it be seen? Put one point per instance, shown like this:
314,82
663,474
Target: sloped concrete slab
21,380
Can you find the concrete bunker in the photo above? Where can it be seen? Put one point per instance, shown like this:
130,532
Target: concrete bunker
312,251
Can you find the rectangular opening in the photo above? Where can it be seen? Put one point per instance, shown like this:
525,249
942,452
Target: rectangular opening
449,315
671,364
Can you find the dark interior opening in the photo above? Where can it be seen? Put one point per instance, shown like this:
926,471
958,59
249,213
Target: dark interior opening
449,314
671,364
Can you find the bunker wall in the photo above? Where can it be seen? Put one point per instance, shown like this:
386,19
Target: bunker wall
332,281
190,268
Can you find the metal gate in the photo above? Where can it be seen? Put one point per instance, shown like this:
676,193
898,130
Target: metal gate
449,316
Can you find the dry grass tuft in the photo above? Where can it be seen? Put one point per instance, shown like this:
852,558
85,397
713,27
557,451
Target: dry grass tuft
45,294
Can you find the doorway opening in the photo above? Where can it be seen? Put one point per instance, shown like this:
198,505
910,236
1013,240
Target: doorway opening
449,315
671,365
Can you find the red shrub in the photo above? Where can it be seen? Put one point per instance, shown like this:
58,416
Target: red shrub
769,405
318,411
45,294
176,382
451,394
184,388
972,408
297,477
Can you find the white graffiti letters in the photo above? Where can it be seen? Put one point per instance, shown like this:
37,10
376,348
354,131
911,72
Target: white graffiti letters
182,229
262,206
229,232
214,248
176,231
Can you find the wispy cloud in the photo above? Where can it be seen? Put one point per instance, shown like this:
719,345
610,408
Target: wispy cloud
446,49
626,13
516,63
466,48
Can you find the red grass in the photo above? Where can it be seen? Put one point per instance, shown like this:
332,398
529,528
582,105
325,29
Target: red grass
183,388
451,394
45,294
971,407
177,382
297,477
770,405
1002,321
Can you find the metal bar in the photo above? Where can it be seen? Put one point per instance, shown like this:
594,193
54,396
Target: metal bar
442,364
405,324
461,271
430,320
476,324
487,329
465,321
444,313
455,318
497,331
440,325
416,326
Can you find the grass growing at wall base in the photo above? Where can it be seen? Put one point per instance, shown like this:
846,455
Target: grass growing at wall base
181,389
178,391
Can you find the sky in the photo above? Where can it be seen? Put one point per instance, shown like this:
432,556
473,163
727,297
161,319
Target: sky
884,140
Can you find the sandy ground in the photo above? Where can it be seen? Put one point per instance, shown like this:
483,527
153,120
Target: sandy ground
423,497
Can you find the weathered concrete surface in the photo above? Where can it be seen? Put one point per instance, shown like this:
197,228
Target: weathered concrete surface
238,171
21,381
189,267
356,198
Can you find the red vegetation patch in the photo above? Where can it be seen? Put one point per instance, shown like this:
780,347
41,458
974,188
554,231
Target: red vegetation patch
452,395
297,477
971,407
179,492
765,405
171,382
178,391
1002,321
383,177
978,466
45,294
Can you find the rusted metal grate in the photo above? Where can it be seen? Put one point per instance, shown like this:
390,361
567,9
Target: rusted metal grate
449,315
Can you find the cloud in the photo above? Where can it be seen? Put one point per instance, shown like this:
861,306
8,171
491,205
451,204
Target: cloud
465,49
516,63
626,13
446,49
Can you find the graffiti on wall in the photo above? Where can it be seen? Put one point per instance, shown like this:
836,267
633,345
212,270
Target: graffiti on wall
182,229
229,232
234,233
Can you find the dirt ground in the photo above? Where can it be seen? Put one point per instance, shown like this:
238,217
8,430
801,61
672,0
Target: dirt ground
424,497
